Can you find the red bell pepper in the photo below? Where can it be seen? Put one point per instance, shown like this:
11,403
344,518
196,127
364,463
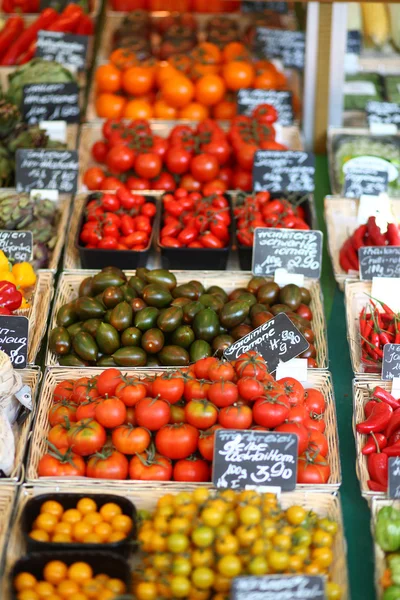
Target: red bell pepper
10,297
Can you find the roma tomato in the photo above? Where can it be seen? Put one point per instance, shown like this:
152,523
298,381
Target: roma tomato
168,387
61,463
145,467
312,468
202,414
177,441
152,413
223,393
108,464
130,440
191,470
110,412
293,390
271,411
86,437
237,416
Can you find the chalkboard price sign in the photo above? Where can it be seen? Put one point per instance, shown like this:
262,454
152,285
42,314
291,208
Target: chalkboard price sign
276,340
14,339
394,477
290,171
281,43
260,458
379,261
278,587
383,112
47,170
259,6
391,361
353,42
51,102
282,101
17,245
295,250
64,48
364,182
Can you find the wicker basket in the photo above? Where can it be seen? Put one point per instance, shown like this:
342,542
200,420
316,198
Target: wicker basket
7,496
39,311
320,379
69,282
380,555
91,132
30,376
146,498
341,221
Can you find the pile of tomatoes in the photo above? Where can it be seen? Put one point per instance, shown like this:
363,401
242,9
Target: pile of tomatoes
120,221
193,221
116,426
202,159
260,210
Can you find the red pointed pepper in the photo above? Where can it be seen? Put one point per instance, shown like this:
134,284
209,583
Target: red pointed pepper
373,440
376,487
378,420
385,396
378,467
394,424
393,450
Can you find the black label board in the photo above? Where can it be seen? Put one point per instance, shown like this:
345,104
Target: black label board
379,261
64,48
278,587
259,6
364,182
394,477
47,170
17,245
255,458
14,339
354,41
281,43
295,250
289,171
51,102
391,361
383,112
58,5
276,340
282,101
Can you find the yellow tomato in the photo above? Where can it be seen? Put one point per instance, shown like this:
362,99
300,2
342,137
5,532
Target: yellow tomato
86,506
39,535
62,527
46,522
92,538
177,543
116,585
227,545
203,578
281,542
122,523
202,557
181,566
103,530
28,595
321,538
180,586
61,538
110,510
177,525
146,590
93,518
66,588
258,566
24,581
92,588
296,515
200,495
116,536
55,572
80,572
203,536
221,583
250,515
181,498
52,507
72,515
80,530
323,556
162,561
278,561
229,565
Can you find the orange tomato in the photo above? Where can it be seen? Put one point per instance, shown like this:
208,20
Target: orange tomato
163,111
123,58
263,65
137,109
108,78
177,91
210,89
164,71
110,106
235,51
238,75
268,80
207,53
194,111
181,62
225,109
200,69
138,81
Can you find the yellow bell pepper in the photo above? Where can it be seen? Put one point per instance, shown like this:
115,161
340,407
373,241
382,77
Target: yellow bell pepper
4,262
24,274
8,276
24,303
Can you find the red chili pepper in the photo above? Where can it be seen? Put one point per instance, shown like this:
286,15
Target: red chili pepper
386,308
357,239
85,26
374,440
28,55
378,420
377,463
373,350
381,394
348,260
12,29
369,407
376,487
10,297
394,438
363,320
393,450
375,233
393,234
394,423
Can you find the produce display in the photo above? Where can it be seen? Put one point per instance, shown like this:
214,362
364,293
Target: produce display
386,535
150,320
379,325
162,427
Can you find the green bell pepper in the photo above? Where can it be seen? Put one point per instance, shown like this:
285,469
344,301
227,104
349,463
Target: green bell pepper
393,562
388,529
392,593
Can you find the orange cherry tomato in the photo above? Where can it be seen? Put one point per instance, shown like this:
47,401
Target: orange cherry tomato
163,111
109,106
238,75
138,81
137,109
210,89
177,91
108,78
194,111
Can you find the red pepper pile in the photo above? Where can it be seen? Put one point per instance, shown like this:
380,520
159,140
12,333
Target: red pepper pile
121,221
382,426
260,210
10,298
18,44
369,234
193,221
377,328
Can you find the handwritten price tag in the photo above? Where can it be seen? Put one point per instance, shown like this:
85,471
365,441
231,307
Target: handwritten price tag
289,171
278,587
14,339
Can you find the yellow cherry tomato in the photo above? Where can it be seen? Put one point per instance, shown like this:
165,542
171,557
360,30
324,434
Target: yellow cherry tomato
296,515
86,506
46,522
72,515
66,588
39,535
93,518
103,530
55,571
53,507
110,510
229,566
80,572
146,590
122,523
24,581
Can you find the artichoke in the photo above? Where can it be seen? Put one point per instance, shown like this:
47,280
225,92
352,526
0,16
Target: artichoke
9,117
40,256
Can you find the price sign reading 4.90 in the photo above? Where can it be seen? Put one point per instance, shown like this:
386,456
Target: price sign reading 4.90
256,458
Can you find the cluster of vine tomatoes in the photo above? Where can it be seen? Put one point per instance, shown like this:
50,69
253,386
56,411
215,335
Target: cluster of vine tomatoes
163,427
120,221
260,210
194,221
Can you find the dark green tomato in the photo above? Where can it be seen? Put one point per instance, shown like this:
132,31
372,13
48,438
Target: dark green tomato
240,331
153,341
305,296
60,341
173,356
187,290
291,296
137,284
280,308
128,292
112,296
85,288
91,326
198,285
211,301
199,349
142,273
107,315
121,316
260,318
137,305
218,291
85,346
130,356
221,343
88,308
268,293
99,298
206,325
67,315
222,330
255,283
257,308
180,302
103,280
182,336
152,361
190,310
71,360
107,338
131,337
106,361
115,271
146,318
304,322
233,313
170,318
75,328
162,277
249,298
156,295
236,293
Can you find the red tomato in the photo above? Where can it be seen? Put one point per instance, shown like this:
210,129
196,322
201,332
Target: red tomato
221,371
148,209
130,440
58,435
196,390
237,416
202,366
61,411
63,463
177,441
293,390
298,414
63,390
177,414
177,160
86,437
168,387
110,202
108,381
108,464
314,401
312,468
148,165
86,410
138,183
145,468
242,180
130,416
110,412
206,442
130,391
120,159
318,442
108,243
191,470
209,240
249,388
251,364
201,413
305,312
271,411
302,433
204,167
223,393
94,178
164,182
85,388
152,413
318,424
